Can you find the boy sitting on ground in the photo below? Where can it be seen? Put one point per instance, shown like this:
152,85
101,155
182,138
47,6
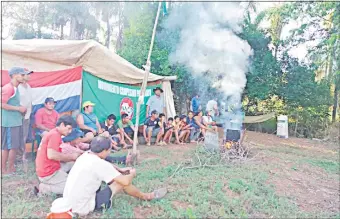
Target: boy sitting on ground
109,126
168,130
151,129
208,121
161,125
184,129
82,190
126,127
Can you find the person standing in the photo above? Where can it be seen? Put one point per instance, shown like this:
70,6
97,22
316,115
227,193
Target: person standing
155,103
212,107
196,103
12,116
25,91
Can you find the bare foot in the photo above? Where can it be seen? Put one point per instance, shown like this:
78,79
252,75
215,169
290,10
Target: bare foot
148,144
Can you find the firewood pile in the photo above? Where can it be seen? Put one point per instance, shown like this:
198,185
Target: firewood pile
229,150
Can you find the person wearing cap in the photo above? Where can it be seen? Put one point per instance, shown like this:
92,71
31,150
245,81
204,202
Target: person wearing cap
155,102
83,190
151,128
88,122
51,174
46,117
12,114
25,91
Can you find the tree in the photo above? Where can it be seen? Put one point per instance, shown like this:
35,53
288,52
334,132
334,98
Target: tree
107,10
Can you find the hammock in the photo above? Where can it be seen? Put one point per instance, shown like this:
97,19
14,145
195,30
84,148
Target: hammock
258,119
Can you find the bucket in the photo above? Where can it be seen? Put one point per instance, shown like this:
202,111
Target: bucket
282,126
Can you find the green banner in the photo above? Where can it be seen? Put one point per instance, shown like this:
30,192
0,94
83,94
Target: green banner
111,97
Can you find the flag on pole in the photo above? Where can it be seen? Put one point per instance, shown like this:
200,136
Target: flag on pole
165,6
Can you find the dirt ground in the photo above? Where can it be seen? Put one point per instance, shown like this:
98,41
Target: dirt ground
303,172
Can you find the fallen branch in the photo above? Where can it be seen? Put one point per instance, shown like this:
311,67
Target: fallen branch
179,165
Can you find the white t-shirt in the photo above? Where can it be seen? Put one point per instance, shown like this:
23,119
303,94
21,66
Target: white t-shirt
84,179
211,106
207,119
26,98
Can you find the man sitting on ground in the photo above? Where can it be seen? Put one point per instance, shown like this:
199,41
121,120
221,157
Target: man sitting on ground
152,129
51,174
109,126
46,117
88,122
126,127
82,190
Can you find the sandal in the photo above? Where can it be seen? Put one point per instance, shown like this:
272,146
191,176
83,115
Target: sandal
159,193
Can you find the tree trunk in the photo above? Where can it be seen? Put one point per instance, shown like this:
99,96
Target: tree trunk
73,26
296,127
335,103
108,27
120,30
61,32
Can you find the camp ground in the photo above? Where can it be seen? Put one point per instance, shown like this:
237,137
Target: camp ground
170,109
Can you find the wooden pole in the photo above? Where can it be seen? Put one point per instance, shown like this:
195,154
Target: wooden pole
147,67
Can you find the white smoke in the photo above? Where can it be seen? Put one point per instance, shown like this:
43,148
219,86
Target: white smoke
208,43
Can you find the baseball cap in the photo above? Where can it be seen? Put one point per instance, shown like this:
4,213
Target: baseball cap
76,133
19,70
88,103
49,99
154,112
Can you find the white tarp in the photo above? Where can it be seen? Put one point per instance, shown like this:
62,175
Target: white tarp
51,55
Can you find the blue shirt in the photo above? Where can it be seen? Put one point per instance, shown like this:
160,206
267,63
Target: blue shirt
90,120
195,104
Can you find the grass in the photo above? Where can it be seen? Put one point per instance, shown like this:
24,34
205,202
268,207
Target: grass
231,191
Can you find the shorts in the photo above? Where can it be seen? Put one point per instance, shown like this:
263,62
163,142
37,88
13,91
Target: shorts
104,196
155,131
167,129
54,183
128,131
115,139
85,131
10,139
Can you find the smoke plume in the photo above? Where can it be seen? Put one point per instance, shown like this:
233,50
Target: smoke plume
208,44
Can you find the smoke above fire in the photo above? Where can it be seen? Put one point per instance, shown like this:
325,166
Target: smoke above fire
208,44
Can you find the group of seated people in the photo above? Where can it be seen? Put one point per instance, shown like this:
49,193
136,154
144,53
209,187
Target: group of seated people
185,128
74,155
190,128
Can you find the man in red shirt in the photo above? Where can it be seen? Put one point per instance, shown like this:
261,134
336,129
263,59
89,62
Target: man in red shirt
46,117
51,176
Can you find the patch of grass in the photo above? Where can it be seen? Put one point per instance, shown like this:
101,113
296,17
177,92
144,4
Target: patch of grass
328,165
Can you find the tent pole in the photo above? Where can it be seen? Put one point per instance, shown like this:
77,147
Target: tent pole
147,67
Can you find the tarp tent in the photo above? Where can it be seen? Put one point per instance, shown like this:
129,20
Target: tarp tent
75,71
97,62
